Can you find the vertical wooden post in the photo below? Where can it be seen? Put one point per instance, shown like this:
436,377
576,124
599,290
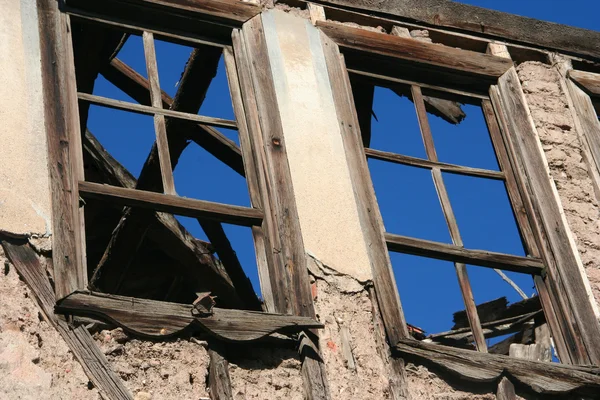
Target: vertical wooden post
160,126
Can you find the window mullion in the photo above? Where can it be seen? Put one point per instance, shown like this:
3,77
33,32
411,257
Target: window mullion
461,269
160,127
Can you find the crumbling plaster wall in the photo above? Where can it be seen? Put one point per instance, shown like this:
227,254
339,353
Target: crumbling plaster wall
568,168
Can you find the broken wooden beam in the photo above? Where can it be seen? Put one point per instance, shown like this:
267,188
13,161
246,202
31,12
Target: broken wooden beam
219,382
468,365
158,319
173,204
448,252
588,80
498,309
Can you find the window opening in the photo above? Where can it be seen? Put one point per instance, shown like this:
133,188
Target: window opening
476,232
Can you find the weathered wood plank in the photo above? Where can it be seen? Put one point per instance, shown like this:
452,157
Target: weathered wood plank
62,130
136,86
236,215
141,109
160,127
412,50
158,319
506,390
588,80
232,12
94,364
219,382
541,377
442,251
483,22
565,267
423,163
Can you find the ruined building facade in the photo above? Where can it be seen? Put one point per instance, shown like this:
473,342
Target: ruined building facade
105,294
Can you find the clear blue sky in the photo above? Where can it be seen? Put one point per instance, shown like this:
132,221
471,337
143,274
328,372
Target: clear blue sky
408,201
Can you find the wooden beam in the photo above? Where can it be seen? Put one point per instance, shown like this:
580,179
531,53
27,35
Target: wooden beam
484,23
158,319
64,148
230,12
210,139
442,251
588,80
219,382
468,62
80,342
540,377
506,390
424,163
236,215
141,109
564,264
160,127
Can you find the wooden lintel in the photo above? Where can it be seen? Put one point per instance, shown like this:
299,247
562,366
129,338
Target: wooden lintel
173,204
465,61
158,319
442,251
540,377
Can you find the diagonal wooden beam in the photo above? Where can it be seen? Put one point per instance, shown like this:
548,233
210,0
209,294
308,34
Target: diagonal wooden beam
210,139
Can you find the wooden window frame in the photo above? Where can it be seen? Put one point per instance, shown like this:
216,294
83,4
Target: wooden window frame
155,319
560,285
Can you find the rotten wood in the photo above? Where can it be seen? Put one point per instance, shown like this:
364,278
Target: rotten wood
411,50
506,390
137,87
564,265
540,377
448,252
424,163
236,215
80,342
141,109
158,319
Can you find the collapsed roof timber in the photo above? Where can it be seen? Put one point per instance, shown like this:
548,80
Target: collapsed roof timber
303,96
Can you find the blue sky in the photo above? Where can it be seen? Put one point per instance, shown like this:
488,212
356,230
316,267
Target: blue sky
406,195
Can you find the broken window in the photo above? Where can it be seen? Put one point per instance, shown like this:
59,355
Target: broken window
462,263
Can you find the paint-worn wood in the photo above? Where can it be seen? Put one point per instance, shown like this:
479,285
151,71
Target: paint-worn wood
467,365
565,267
438,181
370,217
94,364
157,319
219,382
465,61
286,237
506,390
442,251
141,109
424,163
236,215
590,81
62,130
136,86
160,127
